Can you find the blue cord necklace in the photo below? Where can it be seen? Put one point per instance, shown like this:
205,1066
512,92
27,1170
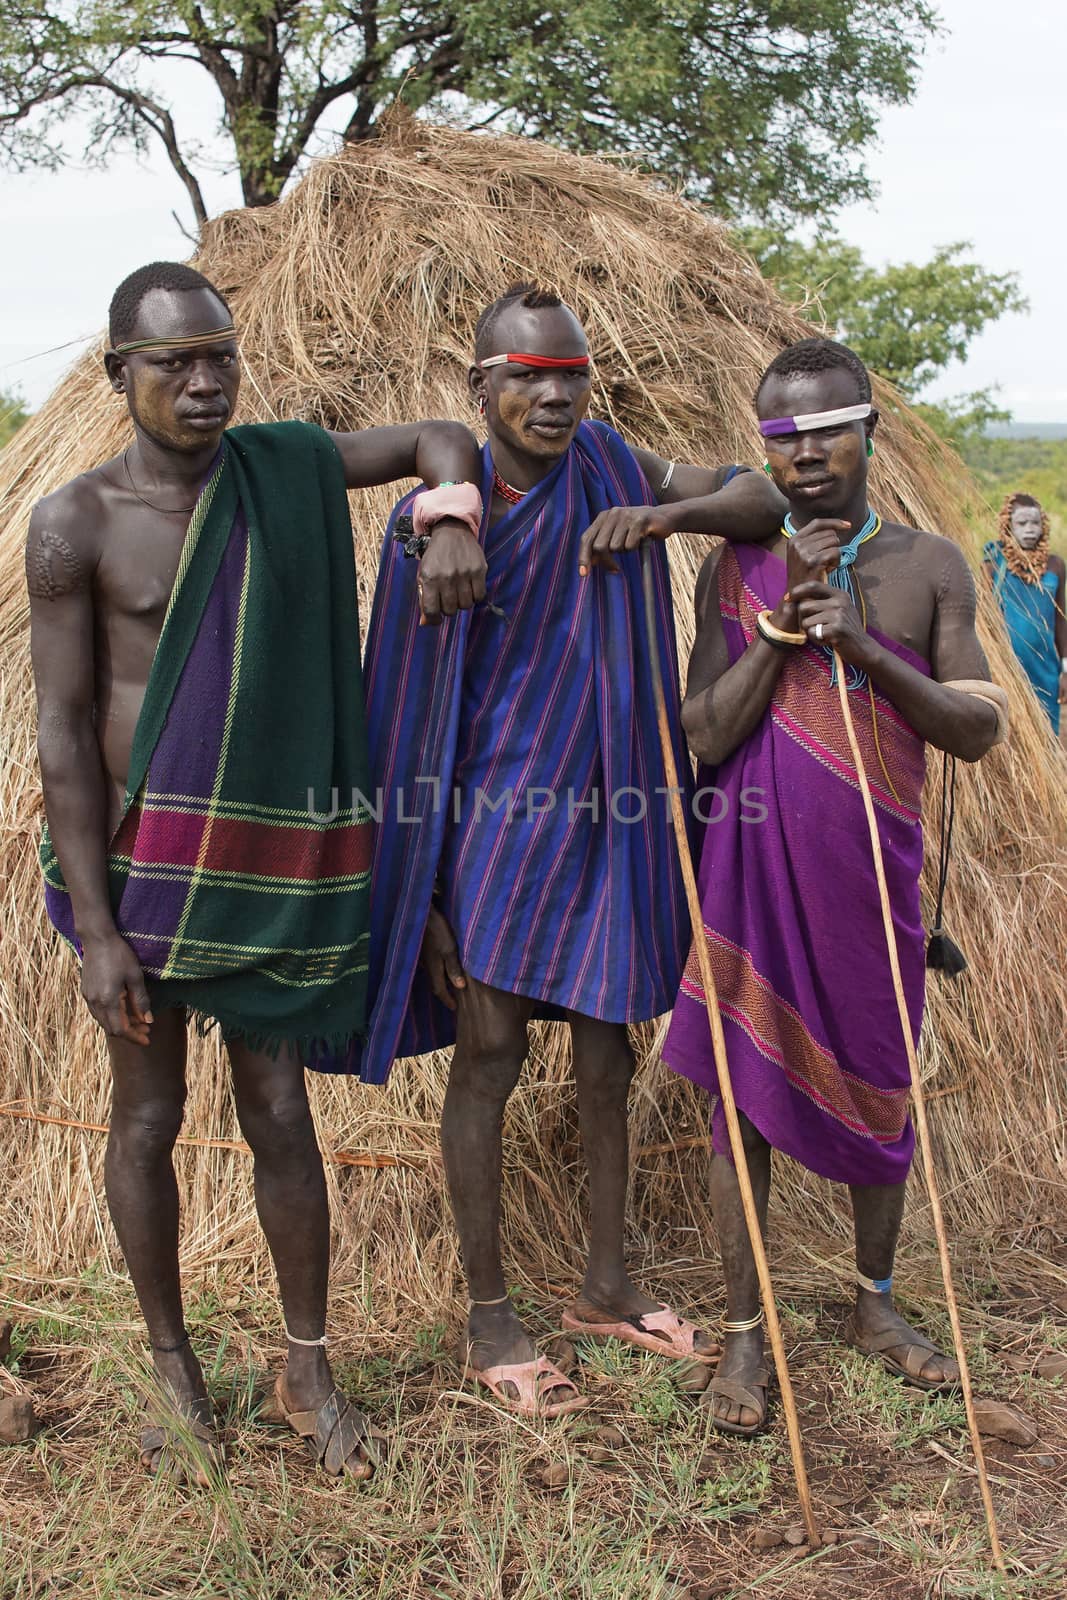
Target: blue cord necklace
841,578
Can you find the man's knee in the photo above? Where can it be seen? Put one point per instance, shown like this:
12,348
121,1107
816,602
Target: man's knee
489,1067
276,1119
144,1132
604,1074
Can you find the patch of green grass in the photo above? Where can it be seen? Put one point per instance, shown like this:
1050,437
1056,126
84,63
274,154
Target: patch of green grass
740,1491
903,1415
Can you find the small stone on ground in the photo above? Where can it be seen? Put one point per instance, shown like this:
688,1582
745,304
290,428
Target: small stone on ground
18,1420
864,1543
997,1420
612,1437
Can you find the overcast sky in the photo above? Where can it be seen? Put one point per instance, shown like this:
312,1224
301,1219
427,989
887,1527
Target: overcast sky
978,156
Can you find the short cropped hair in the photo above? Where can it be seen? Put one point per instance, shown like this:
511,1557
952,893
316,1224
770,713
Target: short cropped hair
810,356
126,301
523,294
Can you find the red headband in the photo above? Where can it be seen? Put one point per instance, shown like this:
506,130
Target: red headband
524,359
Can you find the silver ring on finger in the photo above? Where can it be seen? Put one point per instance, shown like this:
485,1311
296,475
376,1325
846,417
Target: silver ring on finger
818,631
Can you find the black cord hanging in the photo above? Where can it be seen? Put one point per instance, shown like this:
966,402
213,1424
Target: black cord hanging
942,953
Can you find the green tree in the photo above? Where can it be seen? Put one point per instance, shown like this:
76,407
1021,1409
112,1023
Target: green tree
907,321
12,415
763,107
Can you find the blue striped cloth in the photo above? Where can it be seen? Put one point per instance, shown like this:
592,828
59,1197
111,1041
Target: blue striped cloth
579,912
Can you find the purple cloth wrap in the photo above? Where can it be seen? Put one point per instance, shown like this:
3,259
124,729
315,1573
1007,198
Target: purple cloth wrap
792,917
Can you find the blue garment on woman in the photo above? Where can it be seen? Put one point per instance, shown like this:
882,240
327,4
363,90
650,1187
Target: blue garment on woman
1030,614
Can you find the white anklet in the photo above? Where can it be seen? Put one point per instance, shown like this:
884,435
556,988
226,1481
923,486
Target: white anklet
743,1327
499,1301
308,1344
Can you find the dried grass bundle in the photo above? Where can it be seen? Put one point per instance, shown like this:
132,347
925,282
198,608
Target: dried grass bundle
356,297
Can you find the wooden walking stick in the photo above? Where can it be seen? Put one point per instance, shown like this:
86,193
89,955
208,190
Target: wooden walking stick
722,1067
919,1100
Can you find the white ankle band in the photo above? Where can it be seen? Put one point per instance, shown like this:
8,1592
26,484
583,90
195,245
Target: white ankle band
743,1327
309,1344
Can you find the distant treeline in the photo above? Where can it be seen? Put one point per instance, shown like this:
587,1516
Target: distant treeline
1032,466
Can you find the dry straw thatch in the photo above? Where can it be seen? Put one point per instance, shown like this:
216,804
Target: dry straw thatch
356,298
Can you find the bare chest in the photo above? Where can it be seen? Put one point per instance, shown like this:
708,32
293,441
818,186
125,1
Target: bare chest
896,597
137,568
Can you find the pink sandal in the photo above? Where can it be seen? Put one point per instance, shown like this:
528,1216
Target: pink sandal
535,1381
663,1332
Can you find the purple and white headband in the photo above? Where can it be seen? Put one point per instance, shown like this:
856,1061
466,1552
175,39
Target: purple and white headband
810,420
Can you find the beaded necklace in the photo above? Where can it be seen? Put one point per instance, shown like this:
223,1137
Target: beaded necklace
507,491
841,578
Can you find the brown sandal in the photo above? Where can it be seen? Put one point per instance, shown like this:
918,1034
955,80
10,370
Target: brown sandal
917,1352
182,1448
338,1435
753,1399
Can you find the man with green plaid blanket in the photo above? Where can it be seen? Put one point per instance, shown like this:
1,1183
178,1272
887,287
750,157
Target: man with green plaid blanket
196,653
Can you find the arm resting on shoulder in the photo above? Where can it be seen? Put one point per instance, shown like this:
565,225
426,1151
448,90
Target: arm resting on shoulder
433,452
746,510
700,500
452,572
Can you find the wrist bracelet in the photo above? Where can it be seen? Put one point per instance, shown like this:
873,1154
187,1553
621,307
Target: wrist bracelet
771,634
461,501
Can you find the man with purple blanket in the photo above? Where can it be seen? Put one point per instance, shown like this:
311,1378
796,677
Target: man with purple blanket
520,741
791,908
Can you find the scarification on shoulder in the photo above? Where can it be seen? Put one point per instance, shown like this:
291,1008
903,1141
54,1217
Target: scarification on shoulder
955,589
53,567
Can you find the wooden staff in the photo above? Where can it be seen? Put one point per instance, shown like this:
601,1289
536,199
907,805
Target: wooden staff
919,1100
722,1067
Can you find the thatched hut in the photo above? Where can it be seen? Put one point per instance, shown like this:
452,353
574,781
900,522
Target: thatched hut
356,296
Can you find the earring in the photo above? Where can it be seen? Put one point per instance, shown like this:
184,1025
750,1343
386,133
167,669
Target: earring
767,468
870,447
481,405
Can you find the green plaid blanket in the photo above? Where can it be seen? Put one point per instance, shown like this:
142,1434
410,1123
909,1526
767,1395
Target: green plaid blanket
240,871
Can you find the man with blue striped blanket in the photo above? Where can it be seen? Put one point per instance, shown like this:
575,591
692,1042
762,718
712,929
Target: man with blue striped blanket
516,754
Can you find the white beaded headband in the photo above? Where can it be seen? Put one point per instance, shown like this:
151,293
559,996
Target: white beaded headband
810,420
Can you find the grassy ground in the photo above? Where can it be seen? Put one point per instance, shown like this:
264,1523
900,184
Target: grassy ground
663,1509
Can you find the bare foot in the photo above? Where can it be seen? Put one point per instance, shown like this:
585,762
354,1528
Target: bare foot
308,1378
875,1318
179,1439
495,1337
622,1301
742,1366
